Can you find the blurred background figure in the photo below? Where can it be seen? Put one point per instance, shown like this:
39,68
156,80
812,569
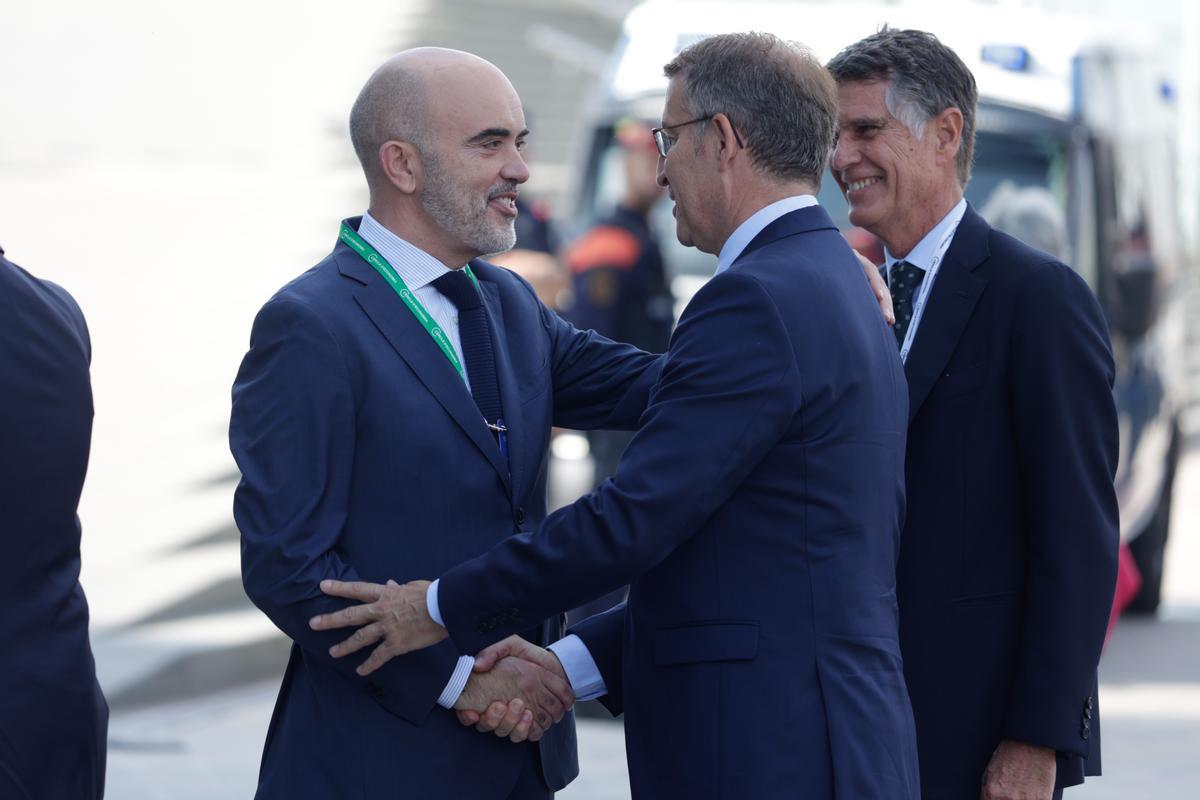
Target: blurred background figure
619,285
620,290
1030,214
53,717
535,255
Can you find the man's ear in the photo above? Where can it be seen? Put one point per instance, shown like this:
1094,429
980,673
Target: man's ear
401,165
947,127
727,139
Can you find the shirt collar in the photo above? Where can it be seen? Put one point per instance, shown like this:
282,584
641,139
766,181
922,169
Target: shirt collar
745,233
414,266
922,254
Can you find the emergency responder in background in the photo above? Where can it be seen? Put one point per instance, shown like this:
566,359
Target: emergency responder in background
535,255
620,288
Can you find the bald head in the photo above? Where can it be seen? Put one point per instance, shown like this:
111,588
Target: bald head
394,103
439,134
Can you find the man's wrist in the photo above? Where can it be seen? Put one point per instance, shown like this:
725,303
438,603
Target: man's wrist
431,603
579,667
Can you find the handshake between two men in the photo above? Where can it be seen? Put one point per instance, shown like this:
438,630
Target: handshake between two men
516,691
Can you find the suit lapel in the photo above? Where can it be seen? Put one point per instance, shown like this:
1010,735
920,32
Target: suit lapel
414,345
952,300
509,397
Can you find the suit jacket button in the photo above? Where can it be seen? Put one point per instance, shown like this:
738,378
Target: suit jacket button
1091,704
519,516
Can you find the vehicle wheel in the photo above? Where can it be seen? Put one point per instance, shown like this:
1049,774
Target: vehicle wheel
1149,549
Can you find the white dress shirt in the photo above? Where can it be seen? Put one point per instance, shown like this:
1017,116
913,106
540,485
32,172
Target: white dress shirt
582,672
418,270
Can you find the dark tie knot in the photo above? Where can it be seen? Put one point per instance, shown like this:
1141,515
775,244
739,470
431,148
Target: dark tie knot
459,289
902,270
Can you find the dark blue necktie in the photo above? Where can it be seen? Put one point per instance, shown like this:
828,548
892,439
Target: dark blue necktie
476,339
903,286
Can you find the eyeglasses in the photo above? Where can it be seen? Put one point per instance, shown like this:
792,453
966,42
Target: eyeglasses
666,142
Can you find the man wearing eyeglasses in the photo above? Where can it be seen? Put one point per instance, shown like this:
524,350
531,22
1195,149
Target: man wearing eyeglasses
757,511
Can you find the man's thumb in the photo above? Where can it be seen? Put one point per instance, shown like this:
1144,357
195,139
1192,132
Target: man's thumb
487,658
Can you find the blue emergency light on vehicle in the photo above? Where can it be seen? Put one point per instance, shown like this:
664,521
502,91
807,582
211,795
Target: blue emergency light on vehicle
1006,56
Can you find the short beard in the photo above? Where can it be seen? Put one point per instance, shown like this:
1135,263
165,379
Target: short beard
452,209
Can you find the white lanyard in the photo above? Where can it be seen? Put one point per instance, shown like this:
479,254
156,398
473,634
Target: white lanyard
923,291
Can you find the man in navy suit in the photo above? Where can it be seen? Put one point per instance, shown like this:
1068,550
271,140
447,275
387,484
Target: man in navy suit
1008,558
53,717
757,511
391,420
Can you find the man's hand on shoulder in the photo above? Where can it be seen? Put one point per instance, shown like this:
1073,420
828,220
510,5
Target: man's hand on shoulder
394,613
878,288
1019,771
513,719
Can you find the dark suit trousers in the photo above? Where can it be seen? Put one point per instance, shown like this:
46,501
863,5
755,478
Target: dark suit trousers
530,784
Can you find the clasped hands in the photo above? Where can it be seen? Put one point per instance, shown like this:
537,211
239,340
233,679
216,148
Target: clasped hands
517,690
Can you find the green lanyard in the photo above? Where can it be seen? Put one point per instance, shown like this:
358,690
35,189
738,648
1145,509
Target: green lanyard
372,257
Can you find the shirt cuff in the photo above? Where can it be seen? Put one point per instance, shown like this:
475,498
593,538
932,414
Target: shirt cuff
431,603
582,672
458,682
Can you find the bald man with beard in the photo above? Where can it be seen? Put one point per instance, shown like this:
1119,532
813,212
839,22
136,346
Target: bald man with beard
390,420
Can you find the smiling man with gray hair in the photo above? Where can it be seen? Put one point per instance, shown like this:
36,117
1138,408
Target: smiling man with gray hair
1008,558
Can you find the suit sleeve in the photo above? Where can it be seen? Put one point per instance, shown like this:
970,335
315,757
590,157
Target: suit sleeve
292,433
1066,437
728,391
597,383
604,637
72,314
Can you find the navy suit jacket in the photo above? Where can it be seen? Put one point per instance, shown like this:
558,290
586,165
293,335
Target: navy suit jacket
364,457
757,516
1008,558
53,717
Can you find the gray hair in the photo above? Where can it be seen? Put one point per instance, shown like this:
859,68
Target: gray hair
391,106
926,77
776,93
